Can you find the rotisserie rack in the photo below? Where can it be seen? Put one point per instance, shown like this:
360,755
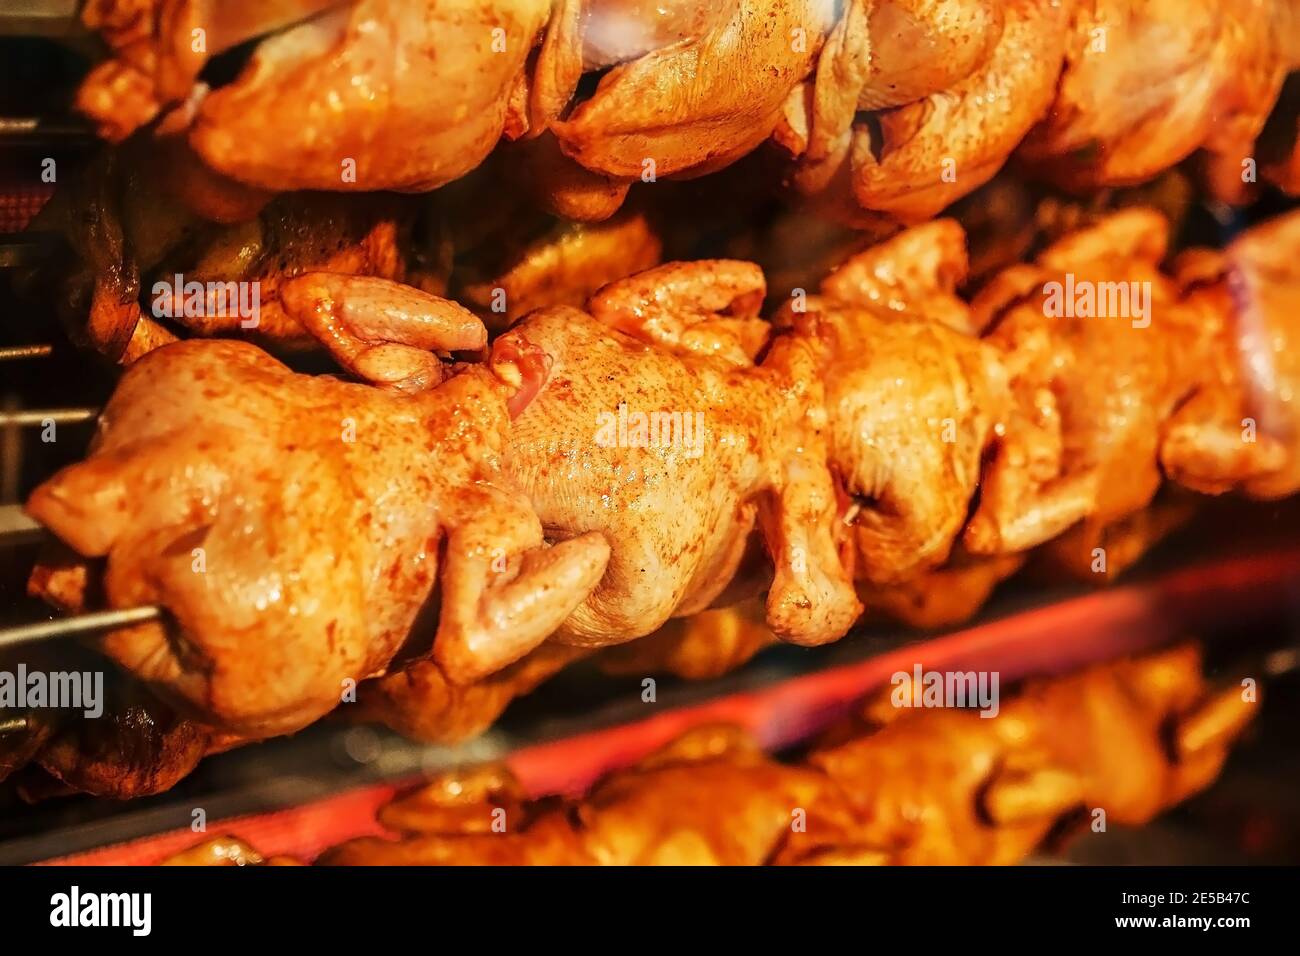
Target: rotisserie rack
642,418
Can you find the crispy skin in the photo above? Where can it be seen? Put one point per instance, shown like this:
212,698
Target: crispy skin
756,446
900,786
291,527
701,103
411,91
1148,82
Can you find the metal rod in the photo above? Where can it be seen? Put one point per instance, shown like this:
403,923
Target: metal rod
79,624
45,128
16,528
39,416
12,725
9,352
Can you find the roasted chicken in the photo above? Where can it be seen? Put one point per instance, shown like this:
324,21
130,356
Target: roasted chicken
351,96
651,405
134,255
889,109
1046,426
942,786
1148,82
1125,383
293,526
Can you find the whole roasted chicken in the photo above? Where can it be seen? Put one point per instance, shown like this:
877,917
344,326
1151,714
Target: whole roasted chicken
647,422
292,528
1104,354
1147,83
350,96
896,786
953,86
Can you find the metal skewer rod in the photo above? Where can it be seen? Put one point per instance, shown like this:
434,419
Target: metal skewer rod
10,352
11,725
39,416
17,528
78,624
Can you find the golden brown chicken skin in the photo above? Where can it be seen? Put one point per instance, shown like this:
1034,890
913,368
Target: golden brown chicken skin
949,786
913,402
702,102
1106,377
700,647
116,287
562,267
909,162
291,528
665,811
226,851
1248,302
1148,82
649,424
419,702
892,786
361,96
678,506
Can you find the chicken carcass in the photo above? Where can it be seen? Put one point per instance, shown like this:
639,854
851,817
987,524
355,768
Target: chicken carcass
1148,82
908,162
1102,352
923,786
650,425
291,527
363,96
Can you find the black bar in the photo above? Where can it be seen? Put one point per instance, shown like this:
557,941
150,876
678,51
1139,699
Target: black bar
251,906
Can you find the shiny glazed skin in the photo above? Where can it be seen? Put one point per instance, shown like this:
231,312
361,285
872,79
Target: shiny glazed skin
319,507
678,524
